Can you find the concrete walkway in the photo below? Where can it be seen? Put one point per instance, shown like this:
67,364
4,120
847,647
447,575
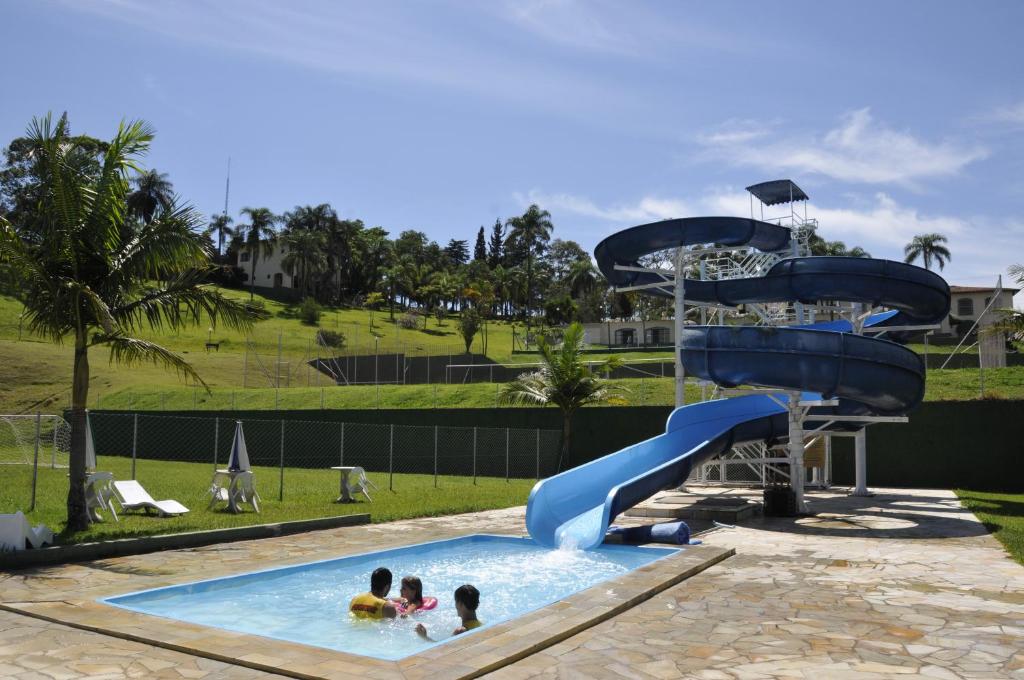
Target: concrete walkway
903,583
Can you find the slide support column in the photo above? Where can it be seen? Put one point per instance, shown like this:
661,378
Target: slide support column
860,447
796,450
680,311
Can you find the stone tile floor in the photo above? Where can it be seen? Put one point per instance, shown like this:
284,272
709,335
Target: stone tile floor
903,583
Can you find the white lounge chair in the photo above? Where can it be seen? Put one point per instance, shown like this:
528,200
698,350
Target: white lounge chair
131,496
17,534
358,482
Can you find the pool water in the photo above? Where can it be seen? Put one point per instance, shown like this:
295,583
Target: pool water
308,603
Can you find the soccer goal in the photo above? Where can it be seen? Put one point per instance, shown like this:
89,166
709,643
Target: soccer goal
18,440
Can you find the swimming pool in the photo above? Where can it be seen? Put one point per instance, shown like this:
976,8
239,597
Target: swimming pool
308,603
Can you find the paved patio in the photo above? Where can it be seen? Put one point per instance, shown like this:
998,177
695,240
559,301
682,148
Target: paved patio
902,583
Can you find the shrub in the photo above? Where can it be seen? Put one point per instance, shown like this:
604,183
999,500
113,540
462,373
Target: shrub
309,312
330,338
410,320
469,324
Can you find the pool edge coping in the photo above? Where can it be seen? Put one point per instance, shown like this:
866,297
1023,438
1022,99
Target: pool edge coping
140,545
463,659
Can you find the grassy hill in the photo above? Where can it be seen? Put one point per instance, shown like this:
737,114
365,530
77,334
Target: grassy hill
36,374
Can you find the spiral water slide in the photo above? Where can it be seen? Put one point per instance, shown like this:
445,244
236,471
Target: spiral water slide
866,375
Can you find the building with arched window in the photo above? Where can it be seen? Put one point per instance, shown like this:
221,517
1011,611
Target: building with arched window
630,333
968,304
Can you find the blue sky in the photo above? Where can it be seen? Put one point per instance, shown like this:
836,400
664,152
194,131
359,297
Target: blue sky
896,118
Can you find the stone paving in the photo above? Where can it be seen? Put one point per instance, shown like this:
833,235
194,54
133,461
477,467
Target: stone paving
904,583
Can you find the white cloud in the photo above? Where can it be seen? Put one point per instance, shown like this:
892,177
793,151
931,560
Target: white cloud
567,22
395,43
1013,115
646,209
858,150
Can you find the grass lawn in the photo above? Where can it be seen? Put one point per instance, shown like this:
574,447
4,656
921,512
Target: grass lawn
1002,514
942,385
308,493
36,374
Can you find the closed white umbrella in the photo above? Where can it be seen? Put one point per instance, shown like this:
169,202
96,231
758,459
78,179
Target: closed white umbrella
90,447
239,460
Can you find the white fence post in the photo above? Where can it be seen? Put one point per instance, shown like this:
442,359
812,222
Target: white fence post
474,456
435,454
506,456
341,448
280,483
35,462
391,460
53,451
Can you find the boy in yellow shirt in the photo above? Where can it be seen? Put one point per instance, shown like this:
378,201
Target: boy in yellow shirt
373,605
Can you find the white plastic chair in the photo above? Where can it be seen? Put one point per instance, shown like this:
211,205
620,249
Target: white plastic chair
98,494
358,482
131,496
243,490
240,489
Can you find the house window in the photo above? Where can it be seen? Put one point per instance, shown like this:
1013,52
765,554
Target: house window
965,307
245,257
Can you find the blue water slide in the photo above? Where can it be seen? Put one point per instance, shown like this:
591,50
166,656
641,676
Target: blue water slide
867,375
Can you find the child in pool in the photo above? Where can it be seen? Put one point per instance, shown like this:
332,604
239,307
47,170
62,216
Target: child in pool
467,599
412,595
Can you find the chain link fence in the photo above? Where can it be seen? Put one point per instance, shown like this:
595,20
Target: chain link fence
288,454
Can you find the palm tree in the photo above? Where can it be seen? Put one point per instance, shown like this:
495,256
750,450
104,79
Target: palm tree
563,379
582,278
152,191
219,226
259,237
306,255
528,234
89,274
928,247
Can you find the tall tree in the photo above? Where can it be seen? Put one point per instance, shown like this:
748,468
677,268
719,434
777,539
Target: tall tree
457,252
25,175
497,244
91,274
529,234
564,379
480,248
928,247
259,237
220,226
153,191
306,255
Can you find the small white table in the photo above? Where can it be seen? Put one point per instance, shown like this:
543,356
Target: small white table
345,496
